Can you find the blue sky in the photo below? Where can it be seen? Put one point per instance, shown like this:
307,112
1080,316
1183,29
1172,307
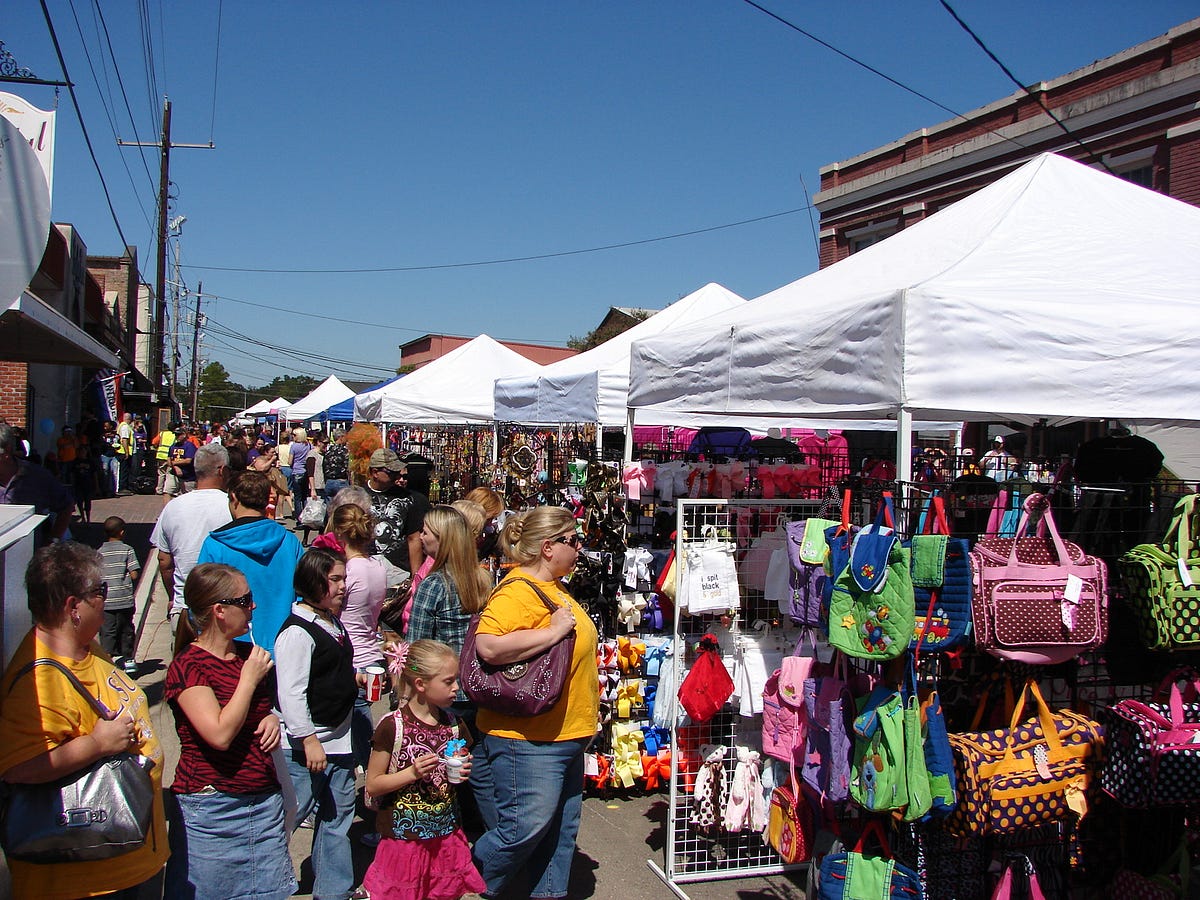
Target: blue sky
374,135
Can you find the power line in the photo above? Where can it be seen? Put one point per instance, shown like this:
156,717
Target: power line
870,68
513,259
82,125
1013,78
300,355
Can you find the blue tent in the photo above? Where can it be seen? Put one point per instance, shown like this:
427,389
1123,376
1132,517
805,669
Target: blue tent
344,411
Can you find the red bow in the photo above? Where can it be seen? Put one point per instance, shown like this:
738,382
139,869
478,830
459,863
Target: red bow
656,768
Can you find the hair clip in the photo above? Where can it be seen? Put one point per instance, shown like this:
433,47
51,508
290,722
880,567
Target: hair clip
397,656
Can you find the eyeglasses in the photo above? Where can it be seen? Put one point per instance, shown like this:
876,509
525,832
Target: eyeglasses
100,590
245,601
571,540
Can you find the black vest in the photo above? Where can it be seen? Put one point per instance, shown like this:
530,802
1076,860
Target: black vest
332,688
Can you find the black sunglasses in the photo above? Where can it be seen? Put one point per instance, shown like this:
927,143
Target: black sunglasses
100,590
571,540
245,601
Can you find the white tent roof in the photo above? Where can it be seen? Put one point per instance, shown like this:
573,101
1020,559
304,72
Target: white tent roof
1058,291
261,408
593,386
328,393
454,389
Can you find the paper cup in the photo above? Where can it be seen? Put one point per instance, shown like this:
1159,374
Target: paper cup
374,679
454,769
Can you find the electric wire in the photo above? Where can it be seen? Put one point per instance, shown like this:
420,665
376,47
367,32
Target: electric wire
870,68
212,125
147,33
1037,98
83,125
105,106
220,328
512,259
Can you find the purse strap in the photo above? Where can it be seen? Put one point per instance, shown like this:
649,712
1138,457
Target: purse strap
876,828
1045,716
1034,503
1181,528
550,604
100,709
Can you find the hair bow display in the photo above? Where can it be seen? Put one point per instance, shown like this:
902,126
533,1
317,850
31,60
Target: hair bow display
630,696
629,609
627,756
656,769
603,776
629,654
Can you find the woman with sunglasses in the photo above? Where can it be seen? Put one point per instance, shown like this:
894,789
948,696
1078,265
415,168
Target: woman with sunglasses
50,730
229,838
536,762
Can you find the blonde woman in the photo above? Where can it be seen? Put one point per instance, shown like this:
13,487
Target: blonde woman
536,762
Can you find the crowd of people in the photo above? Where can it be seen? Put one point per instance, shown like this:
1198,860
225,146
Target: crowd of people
278,652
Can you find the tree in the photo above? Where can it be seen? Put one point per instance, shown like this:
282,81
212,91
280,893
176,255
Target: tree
604,332
289,387
219,398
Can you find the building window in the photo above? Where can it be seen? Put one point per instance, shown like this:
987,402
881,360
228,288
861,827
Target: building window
1136,167
861,238
1142,175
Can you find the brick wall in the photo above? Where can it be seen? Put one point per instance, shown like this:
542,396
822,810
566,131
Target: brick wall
14,380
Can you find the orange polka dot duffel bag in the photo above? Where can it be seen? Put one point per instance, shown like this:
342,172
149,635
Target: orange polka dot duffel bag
1037,771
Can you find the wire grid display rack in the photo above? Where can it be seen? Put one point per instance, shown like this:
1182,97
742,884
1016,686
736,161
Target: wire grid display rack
692,855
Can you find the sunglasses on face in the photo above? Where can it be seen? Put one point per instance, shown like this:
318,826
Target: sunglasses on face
245,601
100,590
571,540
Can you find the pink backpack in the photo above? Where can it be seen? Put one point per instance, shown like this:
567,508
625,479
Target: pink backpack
785,724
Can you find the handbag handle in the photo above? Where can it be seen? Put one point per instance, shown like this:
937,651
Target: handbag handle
937,523
1181,528
550,604
100,709
1004,890
1182,673
876,828
1035,503
1010,700
844,526
1049,732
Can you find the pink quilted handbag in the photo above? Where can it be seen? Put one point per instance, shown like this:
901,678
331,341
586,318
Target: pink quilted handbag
1038,599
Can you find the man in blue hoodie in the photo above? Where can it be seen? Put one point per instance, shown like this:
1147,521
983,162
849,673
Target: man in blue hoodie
262,550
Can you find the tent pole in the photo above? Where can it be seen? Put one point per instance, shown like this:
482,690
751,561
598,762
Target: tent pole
903,457
599,440
627,456
495,442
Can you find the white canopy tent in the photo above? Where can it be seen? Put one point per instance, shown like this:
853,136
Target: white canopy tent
594,385
261,408
277,406
1057,292
455,389
329,392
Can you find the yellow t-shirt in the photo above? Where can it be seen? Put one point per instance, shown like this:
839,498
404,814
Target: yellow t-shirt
44,710
514,606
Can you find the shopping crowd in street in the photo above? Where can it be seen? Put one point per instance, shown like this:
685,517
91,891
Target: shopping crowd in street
280,651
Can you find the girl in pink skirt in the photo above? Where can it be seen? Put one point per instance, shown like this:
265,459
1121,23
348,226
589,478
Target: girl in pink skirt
424,854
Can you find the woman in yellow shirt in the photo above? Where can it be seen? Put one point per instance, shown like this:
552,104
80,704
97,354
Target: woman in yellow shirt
536,762
51,731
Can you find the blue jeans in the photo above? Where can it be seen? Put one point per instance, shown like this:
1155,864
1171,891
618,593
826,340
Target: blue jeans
331,795
229,845
111,465
539,799
333,485
361,729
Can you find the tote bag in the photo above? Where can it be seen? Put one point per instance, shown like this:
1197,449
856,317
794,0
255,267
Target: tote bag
709,581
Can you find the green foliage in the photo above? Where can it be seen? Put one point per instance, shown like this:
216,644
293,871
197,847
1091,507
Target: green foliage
219,397
599,335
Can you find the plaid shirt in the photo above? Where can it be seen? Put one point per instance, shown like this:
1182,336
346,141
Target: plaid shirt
437,614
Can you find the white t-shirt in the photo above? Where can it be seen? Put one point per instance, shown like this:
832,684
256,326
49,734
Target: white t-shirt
182,527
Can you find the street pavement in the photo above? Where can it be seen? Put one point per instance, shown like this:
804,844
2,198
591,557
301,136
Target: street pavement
617,836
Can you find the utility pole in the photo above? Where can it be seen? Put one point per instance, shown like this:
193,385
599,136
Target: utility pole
164,146
196,351
176,228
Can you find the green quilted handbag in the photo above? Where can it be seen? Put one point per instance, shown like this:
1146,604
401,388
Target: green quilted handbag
1162,583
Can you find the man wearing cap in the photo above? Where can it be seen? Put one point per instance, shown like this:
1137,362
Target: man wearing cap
399,513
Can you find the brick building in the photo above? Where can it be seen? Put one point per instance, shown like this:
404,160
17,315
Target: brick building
1136,113
429,347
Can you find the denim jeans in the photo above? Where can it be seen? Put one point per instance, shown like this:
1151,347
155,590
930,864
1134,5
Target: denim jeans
539,799
361,729
229,845
333,485
331,795
111,466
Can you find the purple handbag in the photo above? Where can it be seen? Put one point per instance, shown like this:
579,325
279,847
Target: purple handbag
526,688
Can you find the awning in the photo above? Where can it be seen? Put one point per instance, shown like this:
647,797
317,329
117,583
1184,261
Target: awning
33,332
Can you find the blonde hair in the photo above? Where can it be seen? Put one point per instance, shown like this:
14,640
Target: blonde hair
491,502
353,525
456,555
523,534
423,661
474,515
